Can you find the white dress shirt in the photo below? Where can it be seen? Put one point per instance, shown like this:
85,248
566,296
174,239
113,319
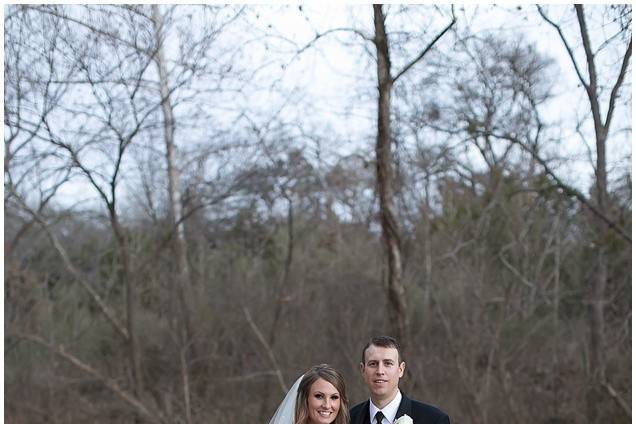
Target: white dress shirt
389,411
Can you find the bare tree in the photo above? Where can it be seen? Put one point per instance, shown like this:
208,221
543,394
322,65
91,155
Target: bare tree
384,169
95,126
183,285
594,89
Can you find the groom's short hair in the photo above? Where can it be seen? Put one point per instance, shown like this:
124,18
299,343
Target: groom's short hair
383,341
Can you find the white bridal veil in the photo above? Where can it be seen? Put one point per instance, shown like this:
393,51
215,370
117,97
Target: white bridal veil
285,412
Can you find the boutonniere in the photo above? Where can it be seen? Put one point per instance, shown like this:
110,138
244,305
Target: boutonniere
404,419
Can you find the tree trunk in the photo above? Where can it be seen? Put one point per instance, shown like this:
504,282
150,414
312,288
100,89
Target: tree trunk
428,244
596,315
182,288
398,313
600,222
595,393
131,305
279,294
556,369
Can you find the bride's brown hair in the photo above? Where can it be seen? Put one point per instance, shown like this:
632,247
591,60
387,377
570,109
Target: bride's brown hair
330,375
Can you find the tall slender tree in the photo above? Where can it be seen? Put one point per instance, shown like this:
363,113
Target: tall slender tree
398,311
600,200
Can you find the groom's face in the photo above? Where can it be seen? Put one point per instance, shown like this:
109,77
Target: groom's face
382,372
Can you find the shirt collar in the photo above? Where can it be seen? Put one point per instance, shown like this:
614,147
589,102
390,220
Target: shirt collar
389,411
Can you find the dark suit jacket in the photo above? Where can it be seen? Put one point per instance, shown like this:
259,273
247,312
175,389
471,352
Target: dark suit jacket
421,413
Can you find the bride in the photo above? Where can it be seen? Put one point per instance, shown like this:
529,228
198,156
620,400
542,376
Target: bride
317,397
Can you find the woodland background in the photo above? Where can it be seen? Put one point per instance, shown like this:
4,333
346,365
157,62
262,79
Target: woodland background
199,204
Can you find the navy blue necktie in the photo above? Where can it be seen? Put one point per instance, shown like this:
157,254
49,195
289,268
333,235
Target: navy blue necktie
378,417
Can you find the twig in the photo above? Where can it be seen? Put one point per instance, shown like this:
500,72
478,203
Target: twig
619,400
270,353
515,271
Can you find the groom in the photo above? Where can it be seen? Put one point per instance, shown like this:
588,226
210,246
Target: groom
382,367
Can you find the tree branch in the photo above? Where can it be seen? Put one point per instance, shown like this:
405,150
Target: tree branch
106,310
565,43
515,271
570,191
591,68
46,9
427,48
616,396
587,46
268,349
617,85
320,35
109,383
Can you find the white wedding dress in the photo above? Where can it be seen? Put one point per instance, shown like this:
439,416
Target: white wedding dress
285,412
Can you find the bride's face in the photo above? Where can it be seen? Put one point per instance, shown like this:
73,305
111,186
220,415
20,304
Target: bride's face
323,402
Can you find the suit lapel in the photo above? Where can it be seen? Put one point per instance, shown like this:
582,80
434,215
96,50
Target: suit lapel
404,408
363,415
